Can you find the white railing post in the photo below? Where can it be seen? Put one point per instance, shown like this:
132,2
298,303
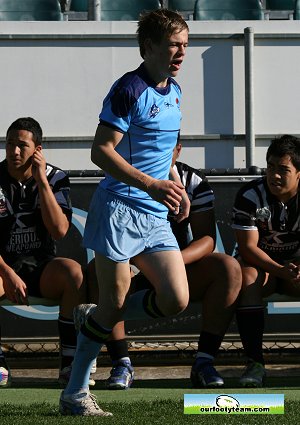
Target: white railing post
94,10
249,97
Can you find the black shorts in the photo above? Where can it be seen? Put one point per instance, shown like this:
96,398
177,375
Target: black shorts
30,270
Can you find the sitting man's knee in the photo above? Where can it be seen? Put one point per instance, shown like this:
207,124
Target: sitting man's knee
231,270
75,274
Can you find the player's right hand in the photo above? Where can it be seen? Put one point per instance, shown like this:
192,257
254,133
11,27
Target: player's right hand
167,192
15,288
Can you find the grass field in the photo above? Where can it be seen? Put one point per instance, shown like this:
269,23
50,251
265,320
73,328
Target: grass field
149,402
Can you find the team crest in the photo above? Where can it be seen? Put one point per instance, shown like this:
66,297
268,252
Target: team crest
3,208
263,214
154,110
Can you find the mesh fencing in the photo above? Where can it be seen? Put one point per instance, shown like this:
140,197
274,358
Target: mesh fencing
160,349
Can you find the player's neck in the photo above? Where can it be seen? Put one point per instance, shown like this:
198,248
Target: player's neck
156,75
285,198
20,174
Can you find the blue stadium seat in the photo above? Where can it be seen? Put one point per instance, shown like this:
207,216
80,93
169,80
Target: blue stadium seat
297,10
79,5
126,10
30,10
184,7
280,4
228,10
280,9
117,10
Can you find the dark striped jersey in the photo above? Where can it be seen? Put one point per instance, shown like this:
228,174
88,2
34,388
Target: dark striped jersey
278,224
23,233
200,195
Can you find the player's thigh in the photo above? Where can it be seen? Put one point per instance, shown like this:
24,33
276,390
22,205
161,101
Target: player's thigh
113,280
60,275
165,270
217,271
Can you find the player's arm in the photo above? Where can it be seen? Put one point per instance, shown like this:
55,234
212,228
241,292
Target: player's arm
204,236
185,205
55,220
104,155
14,288
251,254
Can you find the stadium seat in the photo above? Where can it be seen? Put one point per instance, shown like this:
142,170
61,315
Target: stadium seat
280,9
117,10
228,10
125,10
297,10
30,10
79,5
184,7
280,4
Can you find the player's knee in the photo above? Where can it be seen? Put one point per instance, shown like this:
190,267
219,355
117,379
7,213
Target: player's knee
251,277
229,269
77,278
74,277
175,304
234,274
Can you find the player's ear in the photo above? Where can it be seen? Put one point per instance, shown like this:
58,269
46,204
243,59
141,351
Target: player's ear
179,147
148,45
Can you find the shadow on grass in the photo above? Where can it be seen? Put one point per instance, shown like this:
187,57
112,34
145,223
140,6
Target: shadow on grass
230,383
35,383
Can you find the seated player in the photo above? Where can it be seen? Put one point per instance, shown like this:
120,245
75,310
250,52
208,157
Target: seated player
266,219
35,211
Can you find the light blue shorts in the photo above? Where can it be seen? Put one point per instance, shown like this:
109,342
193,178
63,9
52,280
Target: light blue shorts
118,231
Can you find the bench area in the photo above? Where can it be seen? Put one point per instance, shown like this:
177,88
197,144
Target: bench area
32,301
49,303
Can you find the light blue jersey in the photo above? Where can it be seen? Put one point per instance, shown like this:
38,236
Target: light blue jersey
149,117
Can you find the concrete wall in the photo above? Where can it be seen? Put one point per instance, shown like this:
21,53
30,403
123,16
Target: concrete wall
59,73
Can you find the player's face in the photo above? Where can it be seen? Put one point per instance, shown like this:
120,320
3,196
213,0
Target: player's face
282,177
19,149
168,55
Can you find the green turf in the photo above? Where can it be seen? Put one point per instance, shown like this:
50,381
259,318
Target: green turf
27,396
166,412
148,390
149,402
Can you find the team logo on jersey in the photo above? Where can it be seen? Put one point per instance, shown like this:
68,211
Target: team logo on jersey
154,110
169,105
3,208
263,214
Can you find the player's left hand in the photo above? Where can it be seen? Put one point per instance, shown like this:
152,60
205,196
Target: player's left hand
183,211
295,272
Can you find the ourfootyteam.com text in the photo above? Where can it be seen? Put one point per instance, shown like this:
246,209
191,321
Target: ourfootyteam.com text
226,409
